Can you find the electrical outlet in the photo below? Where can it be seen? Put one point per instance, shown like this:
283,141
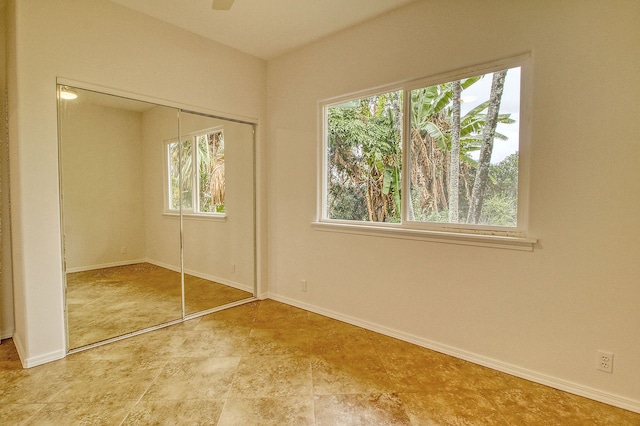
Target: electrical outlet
303,285
233,268
605,361
123,250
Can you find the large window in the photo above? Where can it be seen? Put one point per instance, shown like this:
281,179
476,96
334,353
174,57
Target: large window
438,154
196,173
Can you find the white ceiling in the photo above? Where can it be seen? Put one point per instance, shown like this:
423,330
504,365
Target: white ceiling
264,28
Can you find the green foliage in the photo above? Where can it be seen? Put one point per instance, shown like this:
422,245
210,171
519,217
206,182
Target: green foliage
501,199
181,174
365,159
347,202
209,165
499,210
211,184
504,177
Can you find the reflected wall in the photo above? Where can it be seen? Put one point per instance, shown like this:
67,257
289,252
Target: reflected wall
131,262
218,223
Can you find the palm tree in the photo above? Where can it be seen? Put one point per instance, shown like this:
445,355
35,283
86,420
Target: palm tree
454,168
441,142
211,180
482,171
364,154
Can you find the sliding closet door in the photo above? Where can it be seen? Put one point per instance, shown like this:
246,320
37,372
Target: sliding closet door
218,211
121,244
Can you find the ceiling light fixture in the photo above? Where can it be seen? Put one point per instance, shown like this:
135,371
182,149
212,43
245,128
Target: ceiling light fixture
68,94
222,4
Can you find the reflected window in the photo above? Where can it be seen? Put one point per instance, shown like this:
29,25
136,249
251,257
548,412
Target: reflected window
196,173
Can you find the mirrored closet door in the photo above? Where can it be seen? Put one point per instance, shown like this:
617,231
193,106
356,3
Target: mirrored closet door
217,211
157,214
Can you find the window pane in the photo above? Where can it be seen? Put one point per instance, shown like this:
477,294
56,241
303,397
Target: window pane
187,175
464,150
364,159
211,181
174,176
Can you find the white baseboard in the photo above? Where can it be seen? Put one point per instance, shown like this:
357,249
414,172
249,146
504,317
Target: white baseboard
163,265
18,344
6,334
514,370
220,280
38,360
105,265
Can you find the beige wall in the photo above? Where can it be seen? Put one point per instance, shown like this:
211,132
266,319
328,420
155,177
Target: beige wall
162,233
540,314
102,44
222,250
102,169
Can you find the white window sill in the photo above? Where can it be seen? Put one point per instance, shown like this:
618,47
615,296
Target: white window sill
483,240
216,217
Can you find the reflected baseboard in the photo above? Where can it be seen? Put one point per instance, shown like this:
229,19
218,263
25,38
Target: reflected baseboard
208,277
105,265
221,280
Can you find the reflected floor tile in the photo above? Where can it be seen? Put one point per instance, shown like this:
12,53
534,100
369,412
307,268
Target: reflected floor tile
365,410
349,374
202,294
187,412
107,413
110,302
290,411
193,378
273,376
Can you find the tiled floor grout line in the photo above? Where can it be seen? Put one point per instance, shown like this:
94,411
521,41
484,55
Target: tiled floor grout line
44,405
379,358
160,370
226,397
359,374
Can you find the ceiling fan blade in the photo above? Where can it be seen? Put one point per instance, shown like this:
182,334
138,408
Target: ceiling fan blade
222,4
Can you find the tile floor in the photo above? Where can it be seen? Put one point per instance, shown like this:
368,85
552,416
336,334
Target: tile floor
266,363
109,302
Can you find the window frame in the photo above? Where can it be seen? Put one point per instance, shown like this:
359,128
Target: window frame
195,184
457,233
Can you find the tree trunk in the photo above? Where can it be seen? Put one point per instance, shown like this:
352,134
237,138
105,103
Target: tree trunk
482,173
454,165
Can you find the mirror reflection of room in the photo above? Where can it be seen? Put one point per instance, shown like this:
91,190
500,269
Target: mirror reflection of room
122,233
216,161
